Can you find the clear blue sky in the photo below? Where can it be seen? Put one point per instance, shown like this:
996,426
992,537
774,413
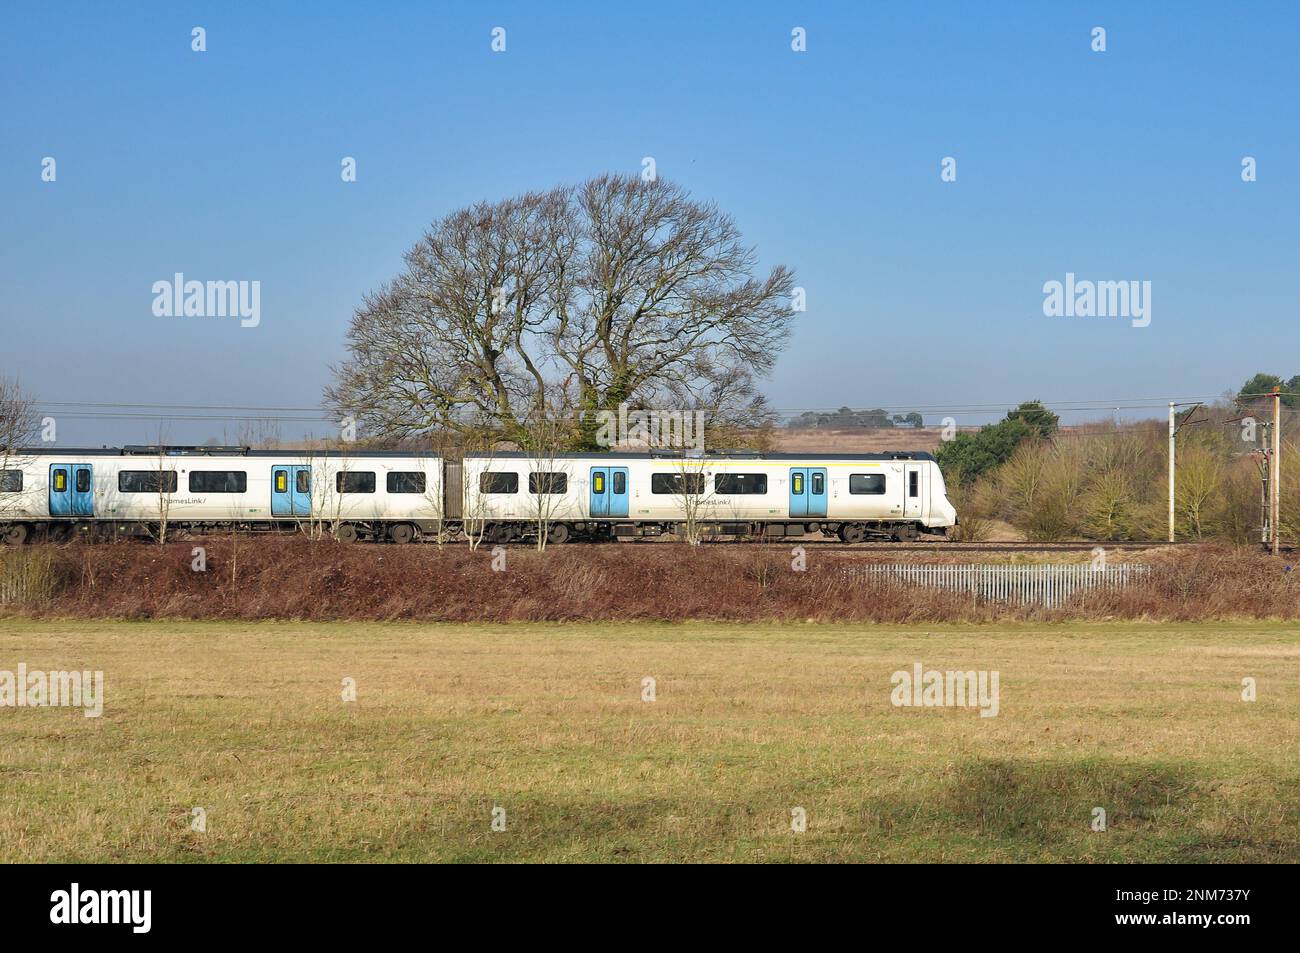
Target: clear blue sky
225,165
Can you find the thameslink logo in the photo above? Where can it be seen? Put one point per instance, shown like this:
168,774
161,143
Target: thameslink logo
1098,299
208,299
103,906
931,688
38,689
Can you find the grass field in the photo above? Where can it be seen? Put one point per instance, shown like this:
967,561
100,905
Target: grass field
748,723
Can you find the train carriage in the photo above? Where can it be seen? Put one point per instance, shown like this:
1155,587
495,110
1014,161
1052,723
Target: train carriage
59,494
401,497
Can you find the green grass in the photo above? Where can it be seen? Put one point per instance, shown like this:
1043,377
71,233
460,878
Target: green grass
246,721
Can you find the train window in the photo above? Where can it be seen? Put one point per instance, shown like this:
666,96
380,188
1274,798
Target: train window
406,482
60,481
796,483
914,483
871,484
498,482
674,482
598,483
11,481
146,481
361,482
281,481
620,481
818,484
302,482
83,481
220,481
740,484
548,483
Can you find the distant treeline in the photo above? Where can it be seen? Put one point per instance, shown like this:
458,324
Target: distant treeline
848,417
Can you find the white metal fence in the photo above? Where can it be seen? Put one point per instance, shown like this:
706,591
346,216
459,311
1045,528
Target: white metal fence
1043,585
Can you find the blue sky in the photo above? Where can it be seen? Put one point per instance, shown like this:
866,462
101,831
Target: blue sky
1122,165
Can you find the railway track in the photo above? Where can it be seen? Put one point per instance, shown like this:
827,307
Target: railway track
1070,546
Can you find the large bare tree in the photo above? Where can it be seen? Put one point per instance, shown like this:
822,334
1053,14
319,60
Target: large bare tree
584,298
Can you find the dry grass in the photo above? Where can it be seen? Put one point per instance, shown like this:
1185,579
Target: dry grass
295,578
546,721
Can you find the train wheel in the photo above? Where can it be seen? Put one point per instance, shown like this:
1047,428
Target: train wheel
558,533
347,533
852,533
402,533
14,535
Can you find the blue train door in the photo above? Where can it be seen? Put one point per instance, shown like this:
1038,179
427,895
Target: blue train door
83,490
60,489
609,492
290,490
72,489
816,491
807,491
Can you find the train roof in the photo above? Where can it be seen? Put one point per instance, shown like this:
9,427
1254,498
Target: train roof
710,455
138,451
154,451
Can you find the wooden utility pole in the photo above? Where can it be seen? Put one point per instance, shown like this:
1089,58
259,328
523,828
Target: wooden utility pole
1275,478
1171,471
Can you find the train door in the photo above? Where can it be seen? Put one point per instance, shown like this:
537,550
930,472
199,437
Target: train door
72,489
609,492
290,490
60,489
807,491
798,492
83,490
913,491
816,491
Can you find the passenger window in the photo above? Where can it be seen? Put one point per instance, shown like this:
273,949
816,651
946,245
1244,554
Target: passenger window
362,482
281,481
303,481
491,482
406,482
598,483
740,483
796,484
914,483
818,484
872,484
620,482
60,481
83,481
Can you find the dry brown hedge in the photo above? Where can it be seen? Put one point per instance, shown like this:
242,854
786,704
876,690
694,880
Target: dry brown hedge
295,578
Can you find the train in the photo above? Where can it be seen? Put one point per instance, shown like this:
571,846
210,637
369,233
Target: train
400,497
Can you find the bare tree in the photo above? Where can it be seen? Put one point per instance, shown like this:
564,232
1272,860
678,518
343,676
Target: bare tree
691,492
548,477
167,482
19,429
576,299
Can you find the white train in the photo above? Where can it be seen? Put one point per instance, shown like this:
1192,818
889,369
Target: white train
400,497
